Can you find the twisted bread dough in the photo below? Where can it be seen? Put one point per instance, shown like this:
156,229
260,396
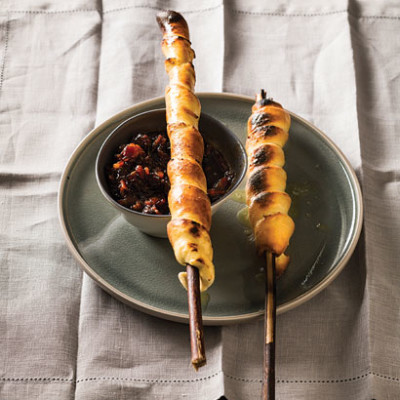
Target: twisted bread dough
268,128
189,204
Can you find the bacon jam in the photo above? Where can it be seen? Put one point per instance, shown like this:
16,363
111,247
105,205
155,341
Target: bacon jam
138,176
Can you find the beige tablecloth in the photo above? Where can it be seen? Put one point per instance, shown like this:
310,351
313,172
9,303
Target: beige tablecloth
67,66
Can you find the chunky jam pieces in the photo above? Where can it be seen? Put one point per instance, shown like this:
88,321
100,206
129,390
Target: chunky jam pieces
138,176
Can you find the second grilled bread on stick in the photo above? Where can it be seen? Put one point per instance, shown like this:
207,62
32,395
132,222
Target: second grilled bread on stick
268,128
266,198
189,204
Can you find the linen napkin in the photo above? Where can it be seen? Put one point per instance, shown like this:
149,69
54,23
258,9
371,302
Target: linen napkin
65,68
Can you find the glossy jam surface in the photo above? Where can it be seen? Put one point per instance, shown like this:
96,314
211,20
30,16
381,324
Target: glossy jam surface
138,176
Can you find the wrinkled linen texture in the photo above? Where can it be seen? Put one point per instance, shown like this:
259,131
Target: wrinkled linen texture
67,66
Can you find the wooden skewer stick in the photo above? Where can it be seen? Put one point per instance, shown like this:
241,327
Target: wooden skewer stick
195,318
269,329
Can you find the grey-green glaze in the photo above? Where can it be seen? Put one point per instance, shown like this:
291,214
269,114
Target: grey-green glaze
141,270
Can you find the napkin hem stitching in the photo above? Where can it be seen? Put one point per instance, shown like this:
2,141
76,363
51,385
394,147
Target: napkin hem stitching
53,11
160,9
144,380
271,13
319,14
280,14
38,380
107,11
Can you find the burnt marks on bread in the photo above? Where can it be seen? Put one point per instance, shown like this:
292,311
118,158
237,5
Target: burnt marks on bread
263,155
266,131
169,17
193,247
265,102
260,119
190,112
195,229
173,17
264,199
172,23
256,181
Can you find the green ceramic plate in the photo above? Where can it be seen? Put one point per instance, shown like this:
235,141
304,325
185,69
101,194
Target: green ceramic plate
141,270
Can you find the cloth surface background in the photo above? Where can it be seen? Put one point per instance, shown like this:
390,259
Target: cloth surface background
67,66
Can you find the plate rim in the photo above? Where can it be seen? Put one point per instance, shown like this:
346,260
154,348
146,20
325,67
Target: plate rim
207,320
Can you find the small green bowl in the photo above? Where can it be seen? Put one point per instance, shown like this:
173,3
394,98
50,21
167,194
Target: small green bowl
213,131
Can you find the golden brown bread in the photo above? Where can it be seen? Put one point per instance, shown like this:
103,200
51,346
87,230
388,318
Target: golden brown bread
191,244
265,154
273,202
188,201
188,142
281,264
268,178
182,106
272,233
268,130
186,171
182,74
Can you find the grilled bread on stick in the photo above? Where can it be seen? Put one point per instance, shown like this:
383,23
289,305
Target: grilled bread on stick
189,204
268,203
